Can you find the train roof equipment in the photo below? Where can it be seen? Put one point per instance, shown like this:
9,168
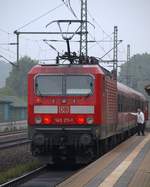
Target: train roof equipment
129,91
147,89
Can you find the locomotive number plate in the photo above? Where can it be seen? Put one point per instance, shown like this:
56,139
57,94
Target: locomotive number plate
64,120
63,109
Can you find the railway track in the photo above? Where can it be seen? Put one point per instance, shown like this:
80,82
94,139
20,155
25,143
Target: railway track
13,143
12,132
22,179
8,127
12,140
41,177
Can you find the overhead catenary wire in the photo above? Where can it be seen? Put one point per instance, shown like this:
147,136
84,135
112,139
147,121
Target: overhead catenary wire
99,26
41,16
102,48
11,43
8,50
5,59
8,43
89,32
32,21
4,31
14,43
99,45
71,8
38,18
102,31
52,47
110,50
89,41
68,5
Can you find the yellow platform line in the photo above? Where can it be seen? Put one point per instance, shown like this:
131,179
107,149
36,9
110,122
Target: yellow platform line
117,173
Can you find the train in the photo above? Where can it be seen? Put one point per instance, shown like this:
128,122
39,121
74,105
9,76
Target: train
75,112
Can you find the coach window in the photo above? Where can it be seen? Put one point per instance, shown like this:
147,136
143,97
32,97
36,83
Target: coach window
79,85
136,104
49,85
131,104
125,104
118,103
121,103
142,105
135,108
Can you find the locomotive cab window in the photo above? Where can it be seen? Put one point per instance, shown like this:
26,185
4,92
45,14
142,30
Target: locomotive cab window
63,85
49,85
79,85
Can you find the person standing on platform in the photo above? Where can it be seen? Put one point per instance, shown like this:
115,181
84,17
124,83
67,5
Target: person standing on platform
140,121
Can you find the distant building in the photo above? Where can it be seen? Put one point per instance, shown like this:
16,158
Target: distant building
12,109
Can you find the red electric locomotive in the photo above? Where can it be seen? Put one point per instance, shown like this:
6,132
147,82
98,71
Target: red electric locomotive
75,111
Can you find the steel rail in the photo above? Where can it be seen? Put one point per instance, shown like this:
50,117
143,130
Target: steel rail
24,178
13,143
18,132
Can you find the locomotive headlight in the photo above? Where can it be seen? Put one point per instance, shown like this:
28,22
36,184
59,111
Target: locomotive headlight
38,120
89,120
80,120
47,120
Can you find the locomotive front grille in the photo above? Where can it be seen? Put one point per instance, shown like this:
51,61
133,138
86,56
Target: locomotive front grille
67,136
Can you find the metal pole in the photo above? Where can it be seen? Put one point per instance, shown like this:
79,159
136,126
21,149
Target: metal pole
17,48
18,33
115,66
34,32
84,34
115,54
128,59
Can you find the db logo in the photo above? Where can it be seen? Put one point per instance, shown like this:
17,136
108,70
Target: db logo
63,109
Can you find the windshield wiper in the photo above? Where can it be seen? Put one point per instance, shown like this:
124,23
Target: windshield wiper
37,89
91,88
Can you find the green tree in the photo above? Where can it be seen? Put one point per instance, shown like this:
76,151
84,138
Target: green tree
16,83
135,73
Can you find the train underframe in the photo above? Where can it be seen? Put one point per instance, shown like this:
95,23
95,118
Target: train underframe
64,144
76,145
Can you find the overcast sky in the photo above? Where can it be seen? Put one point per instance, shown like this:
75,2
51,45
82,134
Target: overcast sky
131,17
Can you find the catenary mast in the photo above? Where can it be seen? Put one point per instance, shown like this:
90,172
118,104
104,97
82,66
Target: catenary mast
84,33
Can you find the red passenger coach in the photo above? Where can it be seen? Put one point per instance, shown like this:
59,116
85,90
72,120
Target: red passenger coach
74,110
129,100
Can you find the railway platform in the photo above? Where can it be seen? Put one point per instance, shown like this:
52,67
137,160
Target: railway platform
127,165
